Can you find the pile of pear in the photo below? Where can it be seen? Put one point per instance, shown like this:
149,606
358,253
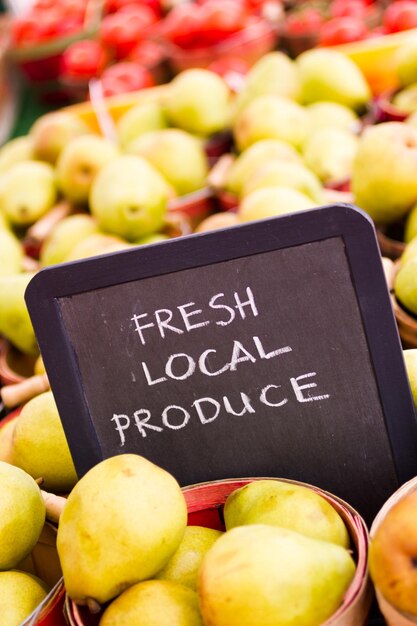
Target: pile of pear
127,553
295,129
22,519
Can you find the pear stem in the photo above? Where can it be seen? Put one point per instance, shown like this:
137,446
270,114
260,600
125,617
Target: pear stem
54,505
93,605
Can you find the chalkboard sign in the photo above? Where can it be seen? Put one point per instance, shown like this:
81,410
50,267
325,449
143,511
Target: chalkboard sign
266,349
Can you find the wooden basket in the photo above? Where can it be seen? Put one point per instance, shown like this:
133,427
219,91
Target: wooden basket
391,615
205,505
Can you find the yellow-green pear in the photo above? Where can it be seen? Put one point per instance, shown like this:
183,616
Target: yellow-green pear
265,575
179,156
384,183
153,238
274,73
154,603
330,75
14,151
326,113
129,197
122,522
184,564
278,173
20,595
410,251
39,366
65,236
53,131
95,245
271,201
286,505
40,447
11,253
224,219
271,117
15,323
410,226
330,152
141,118
410,359
28,191
405,285
406,99
198,101
406,63
79,163
22,515
257,154
6,440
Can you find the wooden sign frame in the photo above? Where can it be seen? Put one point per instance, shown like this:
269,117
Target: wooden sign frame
196,251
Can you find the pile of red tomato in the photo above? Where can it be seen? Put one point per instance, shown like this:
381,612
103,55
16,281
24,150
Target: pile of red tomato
345,21
132,37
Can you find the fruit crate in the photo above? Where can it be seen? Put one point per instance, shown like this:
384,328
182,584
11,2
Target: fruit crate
205,505
392,616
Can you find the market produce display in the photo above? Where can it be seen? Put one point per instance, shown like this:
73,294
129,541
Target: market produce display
195,116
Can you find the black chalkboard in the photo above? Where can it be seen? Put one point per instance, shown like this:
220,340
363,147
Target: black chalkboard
266,349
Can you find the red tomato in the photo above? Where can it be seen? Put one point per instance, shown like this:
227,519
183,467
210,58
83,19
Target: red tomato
84,60
305,21
182,25
351,8
27,31
147,53
220,18
112,6
399,16
124,77
341,30
120,32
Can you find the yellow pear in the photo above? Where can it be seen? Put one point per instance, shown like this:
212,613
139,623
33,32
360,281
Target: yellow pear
22,515
286,505
122,522
410,359
327,74
278,173
324,113
179,156
410,226
271,201
40,447
154,603
11,253
271,117
252,158
20,594
53,131
15,323
274,73
39,366
65,236
198,101
261,575
405,285
217,220
330,152
79,163
393,553
184,564
14,151
6,439
96,244
139,119
28,191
